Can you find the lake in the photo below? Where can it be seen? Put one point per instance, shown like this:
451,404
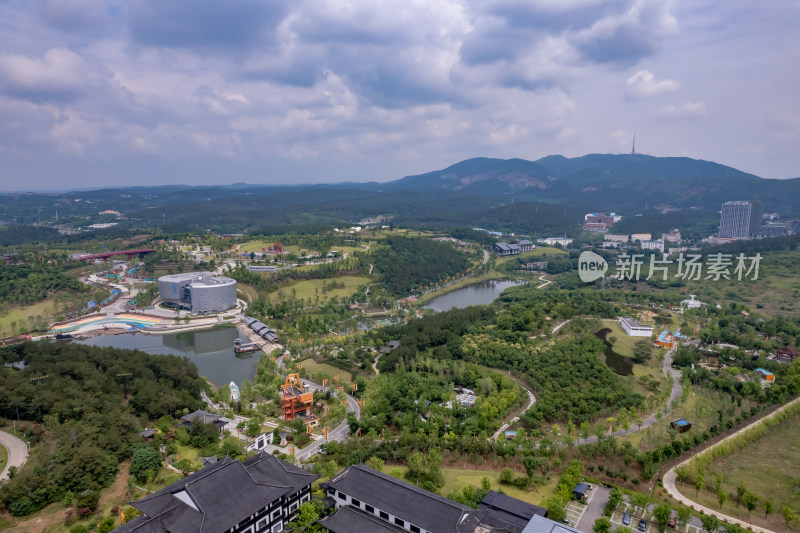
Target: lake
484,292
211,350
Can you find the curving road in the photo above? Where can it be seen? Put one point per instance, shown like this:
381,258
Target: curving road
17,452
337,434
677,390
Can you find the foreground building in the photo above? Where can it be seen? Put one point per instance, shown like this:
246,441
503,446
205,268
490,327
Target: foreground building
261,494
199,292
368,500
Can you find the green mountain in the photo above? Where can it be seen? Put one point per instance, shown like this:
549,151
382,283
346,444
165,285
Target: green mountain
608,182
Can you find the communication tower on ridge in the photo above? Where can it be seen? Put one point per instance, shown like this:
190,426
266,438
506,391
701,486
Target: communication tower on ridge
633,147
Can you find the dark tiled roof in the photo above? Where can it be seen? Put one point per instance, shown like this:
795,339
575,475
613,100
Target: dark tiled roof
218,497
508,512
350,520
540,524
422,508
496,500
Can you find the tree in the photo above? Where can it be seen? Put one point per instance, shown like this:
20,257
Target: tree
640,501
788,514
662,514
751,502
642,351
145,462
415,463
741,490
306,519
722,496
710,522
375,463
699,483
506,476
602,525
682,517
768,507
555,509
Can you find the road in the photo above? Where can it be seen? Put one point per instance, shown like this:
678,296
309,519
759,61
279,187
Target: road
17,452
339,433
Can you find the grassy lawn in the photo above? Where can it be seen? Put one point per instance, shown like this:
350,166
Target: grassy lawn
457,479
309,289
249,290
700,409
3,457
769,467
623,344
325,370
537,254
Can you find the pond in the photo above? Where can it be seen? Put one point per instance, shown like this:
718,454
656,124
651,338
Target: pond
484,292
211,350
618,363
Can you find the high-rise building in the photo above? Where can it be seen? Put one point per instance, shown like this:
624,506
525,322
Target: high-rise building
740,220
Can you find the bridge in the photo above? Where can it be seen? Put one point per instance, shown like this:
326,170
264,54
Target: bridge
105,255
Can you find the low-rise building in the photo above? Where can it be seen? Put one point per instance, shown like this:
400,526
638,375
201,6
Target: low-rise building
261,494
612,237
552,241
656,244
503,248
368,500
672,236
634,328
641,237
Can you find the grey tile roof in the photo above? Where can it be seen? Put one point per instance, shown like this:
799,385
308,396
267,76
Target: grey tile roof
540,524
350,520
511,510
415,505
218,497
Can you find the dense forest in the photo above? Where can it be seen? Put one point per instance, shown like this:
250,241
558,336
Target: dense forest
72,397
27,283
409,264
499,336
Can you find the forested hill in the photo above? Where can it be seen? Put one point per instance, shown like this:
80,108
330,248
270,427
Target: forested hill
465,194
613,182
72,396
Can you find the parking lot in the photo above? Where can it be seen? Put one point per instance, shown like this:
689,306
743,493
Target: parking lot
652,527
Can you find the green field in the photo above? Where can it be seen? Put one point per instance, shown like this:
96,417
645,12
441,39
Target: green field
309,289
623,343
537,254
325,370
768,467
457,479
20,315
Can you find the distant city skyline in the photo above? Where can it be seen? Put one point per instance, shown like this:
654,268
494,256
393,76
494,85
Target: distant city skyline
98,93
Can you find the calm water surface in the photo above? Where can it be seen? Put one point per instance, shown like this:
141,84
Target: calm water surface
481,293
211,350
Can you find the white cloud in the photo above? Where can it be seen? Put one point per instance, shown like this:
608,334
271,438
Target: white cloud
644,84
687,110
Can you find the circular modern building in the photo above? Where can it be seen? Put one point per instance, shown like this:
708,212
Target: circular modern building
199,292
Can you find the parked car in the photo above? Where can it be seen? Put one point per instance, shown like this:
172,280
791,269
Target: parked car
566,521
671,523
642,525
626,519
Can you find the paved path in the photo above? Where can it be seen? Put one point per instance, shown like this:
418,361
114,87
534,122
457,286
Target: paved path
546,282
677,390
17,452
670,478
531,401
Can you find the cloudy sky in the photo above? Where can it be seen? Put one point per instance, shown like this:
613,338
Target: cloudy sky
110,92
